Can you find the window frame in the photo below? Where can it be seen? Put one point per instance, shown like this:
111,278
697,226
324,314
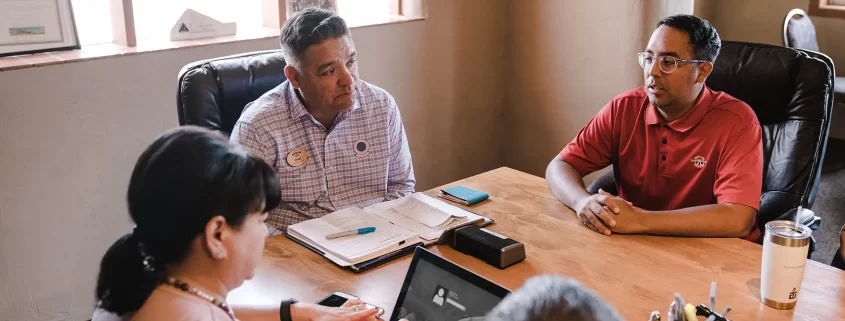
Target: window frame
274,13
825,8
125,42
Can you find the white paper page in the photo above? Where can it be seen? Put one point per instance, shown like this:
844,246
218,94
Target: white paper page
387,210
351,248
330,256
342,262
420,209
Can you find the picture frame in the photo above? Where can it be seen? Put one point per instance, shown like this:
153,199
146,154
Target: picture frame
294,6
35,26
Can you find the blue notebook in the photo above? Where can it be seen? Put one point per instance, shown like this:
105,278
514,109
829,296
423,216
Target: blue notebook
463,195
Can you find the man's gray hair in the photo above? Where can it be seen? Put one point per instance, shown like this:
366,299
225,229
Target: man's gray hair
553,298
307,28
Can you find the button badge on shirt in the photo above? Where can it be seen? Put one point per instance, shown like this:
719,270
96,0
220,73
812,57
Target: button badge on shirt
361,148
297,157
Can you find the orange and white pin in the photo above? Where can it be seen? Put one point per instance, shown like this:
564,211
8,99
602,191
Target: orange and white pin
297,157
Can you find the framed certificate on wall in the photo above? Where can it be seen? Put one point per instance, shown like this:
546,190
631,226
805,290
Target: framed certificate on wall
32,26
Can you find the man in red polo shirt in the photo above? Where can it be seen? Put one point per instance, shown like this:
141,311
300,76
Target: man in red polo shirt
688,160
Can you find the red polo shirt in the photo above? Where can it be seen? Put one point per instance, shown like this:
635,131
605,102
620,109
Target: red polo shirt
713,154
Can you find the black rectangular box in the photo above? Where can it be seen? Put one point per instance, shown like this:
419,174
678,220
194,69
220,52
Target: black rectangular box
491,247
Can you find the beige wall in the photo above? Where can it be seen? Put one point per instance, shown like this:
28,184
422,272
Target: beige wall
568,59
762,21
70,134
480,83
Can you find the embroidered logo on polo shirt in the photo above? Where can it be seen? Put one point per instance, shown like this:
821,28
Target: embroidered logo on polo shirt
698,161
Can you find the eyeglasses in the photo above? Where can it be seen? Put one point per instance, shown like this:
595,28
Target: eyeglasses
667,64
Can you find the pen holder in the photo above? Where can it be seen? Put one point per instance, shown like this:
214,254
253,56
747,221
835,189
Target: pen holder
678,311
702,310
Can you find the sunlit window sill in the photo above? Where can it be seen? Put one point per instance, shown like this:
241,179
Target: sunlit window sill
100,51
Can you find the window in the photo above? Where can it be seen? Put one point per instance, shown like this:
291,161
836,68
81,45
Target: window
117,27
827,8
93,21
153,19
362,12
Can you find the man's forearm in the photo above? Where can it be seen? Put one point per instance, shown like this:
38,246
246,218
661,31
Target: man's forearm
565,182
401,184
716,220
398,190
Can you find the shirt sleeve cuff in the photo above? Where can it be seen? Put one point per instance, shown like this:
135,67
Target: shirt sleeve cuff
746,200
574,161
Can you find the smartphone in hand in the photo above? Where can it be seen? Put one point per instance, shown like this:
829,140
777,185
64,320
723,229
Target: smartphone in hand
337,299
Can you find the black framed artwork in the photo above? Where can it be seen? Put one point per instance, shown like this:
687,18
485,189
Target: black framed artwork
33,26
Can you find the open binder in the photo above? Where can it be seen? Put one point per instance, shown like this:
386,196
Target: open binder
401,225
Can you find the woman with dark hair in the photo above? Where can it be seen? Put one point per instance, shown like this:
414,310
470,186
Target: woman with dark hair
199,204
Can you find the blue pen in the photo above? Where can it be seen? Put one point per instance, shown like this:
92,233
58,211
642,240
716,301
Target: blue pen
363,230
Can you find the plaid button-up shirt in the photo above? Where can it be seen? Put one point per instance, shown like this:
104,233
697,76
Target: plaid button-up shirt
361,160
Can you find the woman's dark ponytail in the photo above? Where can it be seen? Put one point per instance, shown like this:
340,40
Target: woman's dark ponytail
127,276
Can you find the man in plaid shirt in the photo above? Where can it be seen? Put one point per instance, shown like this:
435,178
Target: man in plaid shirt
334,140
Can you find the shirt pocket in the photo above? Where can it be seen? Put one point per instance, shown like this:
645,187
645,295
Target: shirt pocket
370,167
301,184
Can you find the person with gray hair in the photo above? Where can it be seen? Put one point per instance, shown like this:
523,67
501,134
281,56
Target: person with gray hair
553,298
335,140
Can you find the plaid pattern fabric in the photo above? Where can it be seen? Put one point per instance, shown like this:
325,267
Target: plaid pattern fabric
340,171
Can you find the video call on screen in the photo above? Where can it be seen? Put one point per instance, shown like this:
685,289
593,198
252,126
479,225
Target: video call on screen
437,295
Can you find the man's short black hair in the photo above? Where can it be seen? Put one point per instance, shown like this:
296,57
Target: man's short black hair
307,28
702,36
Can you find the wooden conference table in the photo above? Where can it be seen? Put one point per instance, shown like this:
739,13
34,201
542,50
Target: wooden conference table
636,274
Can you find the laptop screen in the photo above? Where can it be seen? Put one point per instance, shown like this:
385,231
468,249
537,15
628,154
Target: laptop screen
438,290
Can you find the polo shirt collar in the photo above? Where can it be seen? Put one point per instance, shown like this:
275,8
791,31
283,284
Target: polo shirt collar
688,120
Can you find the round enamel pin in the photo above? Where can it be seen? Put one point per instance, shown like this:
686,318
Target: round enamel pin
362,148
297,157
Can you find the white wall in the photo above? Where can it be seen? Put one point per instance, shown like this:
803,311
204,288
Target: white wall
70,134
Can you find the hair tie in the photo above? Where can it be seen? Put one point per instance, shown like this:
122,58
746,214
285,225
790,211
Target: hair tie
146,259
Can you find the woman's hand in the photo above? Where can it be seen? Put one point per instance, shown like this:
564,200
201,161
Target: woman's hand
352,310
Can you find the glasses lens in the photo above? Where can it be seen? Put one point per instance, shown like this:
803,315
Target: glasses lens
645,60
667,64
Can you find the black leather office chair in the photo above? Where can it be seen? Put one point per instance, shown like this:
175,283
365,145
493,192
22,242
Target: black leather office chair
213,93
791,91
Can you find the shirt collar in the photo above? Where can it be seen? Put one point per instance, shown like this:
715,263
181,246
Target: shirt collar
688,120
297,108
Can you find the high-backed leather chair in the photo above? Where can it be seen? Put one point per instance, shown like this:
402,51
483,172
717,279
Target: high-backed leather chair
213,93
791,91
